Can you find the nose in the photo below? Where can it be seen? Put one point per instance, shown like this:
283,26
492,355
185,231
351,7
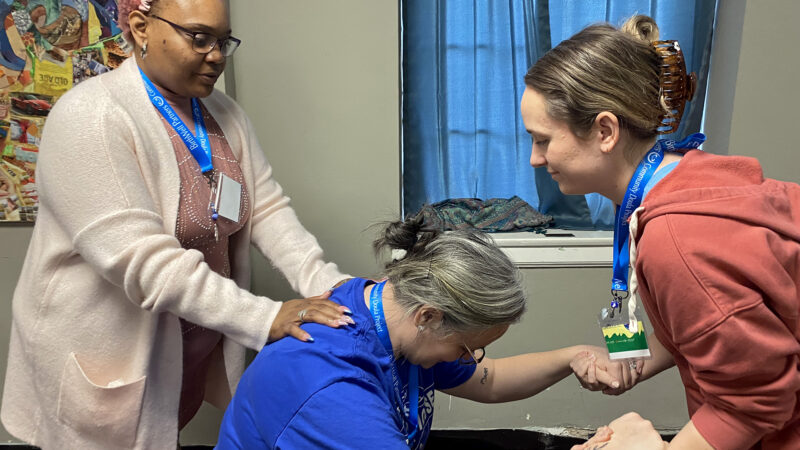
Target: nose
537,158
215,56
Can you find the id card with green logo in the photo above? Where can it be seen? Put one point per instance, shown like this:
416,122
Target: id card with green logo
622,343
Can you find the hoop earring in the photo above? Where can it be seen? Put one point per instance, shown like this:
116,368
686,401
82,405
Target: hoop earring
143,53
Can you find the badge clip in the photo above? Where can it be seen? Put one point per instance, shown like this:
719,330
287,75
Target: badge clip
625,339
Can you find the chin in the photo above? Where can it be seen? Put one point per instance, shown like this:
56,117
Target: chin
565,189
202,91
423,364
571,190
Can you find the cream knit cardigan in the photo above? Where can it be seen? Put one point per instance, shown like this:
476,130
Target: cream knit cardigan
95,353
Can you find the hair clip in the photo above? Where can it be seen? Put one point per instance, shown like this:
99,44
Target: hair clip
676,86
144,6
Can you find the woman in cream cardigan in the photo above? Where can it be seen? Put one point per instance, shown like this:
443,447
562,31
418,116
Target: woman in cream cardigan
132,306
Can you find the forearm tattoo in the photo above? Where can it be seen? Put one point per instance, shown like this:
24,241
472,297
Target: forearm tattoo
485,375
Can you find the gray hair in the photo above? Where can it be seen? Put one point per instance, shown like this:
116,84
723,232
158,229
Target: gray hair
461,273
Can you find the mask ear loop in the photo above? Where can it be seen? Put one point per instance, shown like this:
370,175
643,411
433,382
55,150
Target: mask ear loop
675,85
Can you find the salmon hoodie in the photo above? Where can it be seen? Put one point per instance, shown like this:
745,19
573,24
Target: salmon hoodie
716,252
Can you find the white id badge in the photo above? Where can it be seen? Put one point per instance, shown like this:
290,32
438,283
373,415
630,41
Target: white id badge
229,197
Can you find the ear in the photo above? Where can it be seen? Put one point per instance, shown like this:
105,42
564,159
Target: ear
138,25
606,130
428,317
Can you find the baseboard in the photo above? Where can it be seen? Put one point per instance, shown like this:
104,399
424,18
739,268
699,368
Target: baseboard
461,439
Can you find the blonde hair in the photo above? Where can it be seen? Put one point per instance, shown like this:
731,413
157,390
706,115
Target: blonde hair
601,69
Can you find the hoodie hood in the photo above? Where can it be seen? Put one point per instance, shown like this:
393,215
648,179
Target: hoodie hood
725,186
719,275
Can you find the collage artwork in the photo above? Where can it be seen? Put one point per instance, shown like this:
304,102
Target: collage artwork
46,48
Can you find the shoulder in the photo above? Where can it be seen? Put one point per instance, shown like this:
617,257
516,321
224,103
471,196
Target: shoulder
235,125
88,98
102,99
695,275
674,278
225,109
293,370
219,100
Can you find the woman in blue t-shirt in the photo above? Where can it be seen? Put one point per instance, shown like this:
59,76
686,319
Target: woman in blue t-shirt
423,328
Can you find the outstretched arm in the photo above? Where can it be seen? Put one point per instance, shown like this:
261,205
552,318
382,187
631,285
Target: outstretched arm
521,376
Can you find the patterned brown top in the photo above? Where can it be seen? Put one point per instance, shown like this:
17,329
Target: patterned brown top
195,230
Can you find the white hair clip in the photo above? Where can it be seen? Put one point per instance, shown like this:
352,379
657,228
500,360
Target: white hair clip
144,6
398,254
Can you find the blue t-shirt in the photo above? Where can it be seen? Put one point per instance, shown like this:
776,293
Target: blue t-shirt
658,176
333,393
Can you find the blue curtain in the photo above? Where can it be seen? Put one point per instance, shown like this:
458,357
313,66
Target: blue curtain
462,79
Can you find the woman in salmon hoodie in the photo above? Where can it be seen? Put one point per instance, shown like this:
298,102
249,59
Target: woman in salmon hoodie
714,245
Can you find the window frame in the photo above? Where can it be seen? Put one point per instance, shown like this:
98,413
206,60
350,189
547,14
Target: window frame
557,248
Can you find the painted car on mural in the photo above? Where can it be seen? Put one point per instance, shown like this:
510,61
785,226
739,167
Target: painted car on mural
30,104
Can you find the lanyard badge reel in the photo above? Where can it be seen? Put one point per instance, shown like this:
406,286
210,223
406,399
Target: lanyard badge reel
625,338
226,193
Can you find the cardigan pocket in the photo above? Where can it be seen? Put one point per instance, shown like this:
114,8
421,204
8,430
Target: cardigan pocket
107,414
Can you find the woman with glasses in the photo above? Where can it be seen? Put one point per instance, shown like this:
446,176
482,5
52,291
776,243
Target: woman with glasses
422,328
132,306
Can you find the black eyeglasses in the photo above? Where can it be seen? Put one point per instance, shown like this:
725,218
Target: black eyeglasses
471,358
203,43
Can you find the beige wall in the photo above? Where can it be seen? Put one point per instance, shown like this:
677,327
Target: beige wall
320,81
764,122
14,240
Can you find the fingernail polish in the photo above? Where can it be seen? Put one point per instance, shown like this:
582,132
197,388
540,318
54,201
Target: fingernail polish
346,310
349,320
309,339
615,384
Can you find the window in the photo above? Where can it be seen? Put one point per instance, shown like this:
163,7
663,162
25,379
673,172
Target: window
463,65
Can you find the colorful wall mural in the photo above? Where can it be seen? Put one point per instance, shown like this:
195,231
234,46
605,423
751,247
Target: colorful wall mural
46,48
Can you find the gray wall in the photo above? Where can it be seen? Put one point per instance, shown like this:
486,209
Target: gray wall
320,81
764,118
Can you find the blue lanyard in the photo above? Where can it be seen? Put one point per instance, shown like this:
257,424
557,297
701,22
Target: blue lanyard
376,307
199,146
633,198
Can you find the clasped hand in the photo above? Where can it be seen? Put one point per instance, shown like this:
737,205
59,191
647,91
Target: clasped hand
596,372
630,431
